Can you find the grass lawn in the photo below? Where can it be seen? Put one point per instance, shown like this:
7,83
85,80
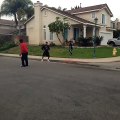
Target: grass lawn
101,52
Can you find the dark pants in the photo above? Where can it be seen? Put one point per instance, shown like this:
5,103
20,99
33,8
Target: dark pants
70,50
24,59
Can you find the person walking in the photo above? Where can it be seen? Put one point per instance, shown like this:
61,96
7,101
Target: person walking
70,47
46,49
23,53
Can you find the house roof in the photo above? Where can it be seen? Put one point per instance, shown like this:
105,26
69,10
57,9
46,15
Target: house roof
91,8
7,22
7,31
67,14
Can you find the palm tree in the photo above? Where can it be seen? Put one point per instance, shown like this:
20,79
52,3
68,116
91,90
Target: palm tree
17,8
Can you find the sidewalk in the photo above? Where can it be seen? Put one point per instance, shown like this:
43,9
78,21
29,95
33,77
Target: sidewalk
99,63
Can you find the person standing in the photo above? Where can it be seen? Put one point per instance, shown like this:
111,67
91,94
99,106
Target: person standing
70,47
23,53
46,49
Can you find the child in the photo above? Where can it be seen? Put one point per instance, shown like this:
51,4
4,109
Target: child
46,49
23,53
70,47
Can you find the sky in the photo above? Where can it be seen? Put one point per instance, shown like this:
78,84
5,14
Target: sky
113,5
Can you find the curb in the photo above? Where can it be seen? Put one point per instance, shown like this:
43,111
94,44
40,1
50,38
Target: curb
82,63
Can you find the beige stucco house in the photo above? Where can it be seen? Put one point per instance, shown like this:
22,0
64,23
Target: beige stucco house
81,20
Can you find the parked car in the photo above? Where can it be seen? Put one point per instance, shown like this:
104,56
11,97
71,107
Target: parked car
114,42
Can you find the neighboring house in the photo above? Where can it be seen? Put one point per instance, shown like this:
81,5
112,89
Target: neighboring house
7,27
116,24
81,20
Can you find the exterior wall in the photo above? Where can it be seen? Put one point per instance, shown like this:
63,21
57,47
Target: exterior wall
98,14
87,16
30,30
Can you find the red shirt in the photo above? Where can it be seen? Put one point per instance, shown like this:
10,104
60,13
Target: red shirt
23,48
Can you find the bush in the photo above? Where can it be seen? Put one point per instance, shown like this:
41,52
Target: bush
52,44
6,39
6,42
84,41
89,41
98,40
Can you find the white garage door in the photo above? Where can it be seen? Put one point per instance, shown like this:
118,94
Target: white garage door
106,36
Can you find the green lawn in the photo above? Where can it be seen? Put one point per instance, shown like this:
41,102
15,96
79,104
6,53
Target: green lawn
101,52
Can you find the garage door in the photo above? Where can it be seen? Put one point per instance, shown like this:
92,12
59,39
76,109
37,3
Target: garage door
106,36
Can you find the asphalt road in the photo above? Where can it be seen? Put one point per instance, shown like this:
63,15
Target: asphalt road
57,91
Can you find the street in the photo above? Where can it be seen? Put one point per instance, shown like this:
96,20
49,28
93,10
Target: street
57,91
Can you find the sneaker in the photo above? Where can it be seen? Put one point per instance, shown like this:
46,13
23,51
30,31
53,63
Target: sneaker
42,60
22,65
48,60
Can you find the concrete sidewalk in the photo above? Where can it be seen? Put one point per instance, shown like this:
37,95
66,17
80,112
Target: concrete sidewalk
99,63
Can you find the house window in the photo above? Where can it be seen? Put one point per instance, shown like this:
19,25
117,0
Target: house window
113,25
93,15
103,19
51,35
44,32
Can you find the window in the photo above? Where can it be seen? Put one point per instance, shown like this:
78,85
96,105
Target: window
51,35
93,15
103,19
44,32
113,25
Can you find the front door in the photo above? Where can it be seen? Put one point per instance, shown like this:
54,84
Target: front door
66,34
76,33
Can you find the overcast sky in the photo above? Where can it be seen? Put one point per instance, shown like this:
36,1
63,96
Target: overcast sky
112,4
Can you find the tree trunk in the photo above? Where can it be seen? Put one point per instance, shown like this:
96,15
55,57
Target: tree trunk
16,22
59,39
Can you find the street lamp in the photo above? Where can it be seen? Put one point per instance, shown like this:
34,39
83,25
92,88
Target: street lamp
94,39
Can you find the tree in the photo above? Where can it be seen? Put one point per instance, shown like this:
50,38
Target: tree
16,8
59,27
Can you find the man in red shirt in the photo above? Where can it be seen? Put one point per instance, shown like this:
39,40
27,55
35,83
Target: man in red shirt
23,53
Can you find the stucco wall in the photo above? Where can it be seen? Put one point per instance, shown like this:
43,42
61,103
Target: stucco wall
30,32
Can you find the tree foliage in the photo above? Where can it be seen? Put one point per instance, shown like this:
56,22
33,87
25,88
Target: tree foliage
59,27
17,8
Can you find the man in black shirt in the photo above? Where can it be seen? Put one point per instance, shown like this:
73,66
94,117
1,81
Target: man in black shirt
46,49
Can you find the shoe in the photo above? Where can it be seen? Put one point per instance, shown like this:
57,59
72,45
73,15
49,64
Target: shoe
22,65
42,60
48,60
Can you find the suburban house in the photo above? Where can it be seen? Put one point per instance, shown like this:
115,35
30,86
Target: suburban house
82,21
116,24
7,27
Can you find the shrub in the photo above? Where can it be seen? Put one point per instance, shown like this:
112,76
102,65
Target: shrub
84,41
89,41
6,39
52,44
98,40
6,42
